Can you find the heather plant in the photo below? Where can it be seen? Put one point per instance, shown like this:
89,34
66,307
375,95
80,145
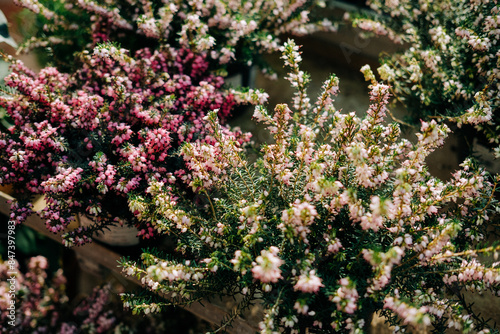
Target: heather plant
231,31
41,305
31,295
449,68
337,219
88,139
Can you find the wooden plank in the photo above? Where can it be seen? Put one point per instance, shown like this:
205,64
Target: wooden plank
101,255
4,206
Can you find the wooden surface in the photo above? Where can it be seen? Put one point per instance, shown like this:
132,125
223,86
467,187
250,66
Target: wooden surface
103,256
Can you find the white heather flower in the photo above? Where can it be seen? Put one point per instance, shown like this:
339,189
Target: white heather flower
386,72
301,307
137,205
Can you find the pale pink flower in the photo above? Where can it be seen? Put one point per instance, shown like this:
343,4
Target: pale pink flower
309,283
266,269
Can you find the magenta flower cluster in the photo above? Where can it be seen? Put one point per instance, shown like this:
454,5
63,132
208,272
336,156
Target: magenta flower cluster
88,139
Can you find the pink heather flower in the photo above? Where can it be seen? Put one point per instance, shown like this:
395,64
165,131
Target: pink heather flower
38,262
298,218
334,246
408,313
44,302
309,283
266,269
346,296
107,129
301,307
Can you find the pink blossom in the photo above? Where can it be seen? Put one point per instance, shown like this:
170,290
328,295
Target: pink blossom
308,283
267,266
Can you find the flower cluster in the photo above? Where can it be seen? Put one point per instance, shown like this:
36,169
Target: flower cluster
36,300
337,219
450,69
42,306
88,139
229,30
266,267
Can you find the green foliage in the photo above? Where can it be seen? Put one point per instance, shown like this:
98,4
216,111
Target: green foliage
448,66
337,218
